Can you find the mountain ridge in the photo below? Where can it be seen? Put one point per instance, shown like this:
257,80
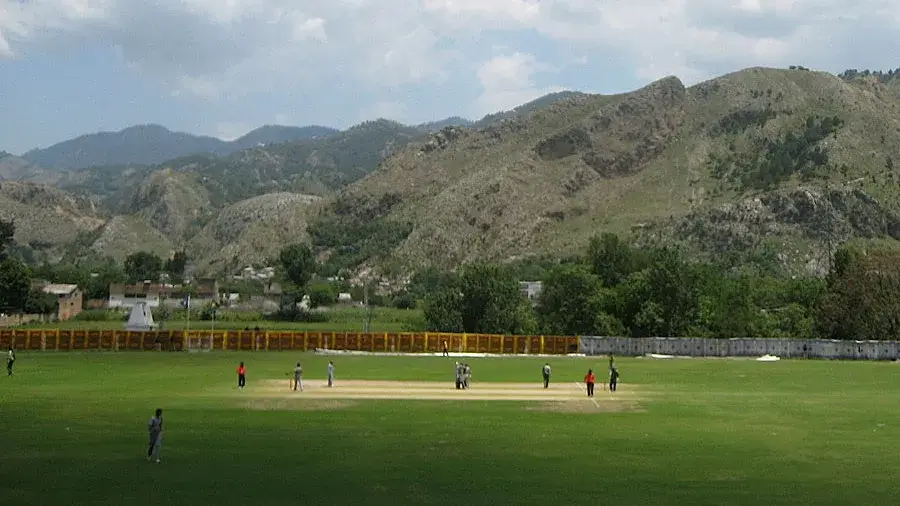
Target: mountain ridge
151,143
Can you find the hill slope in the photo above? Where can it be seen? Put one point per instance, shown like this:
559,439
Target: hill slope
251,231
153,144
661,159
47,220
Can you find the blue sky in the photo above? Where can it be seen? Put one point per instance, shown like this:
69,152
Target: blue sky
224,67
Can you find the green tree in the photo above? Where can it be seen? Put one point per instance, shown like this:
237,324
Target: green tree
38,302
175,266
143,266
99,279
298,264
321,294
613,260
572,301
664,299
7,231
443,310
405,300
15,283
862,300
491,300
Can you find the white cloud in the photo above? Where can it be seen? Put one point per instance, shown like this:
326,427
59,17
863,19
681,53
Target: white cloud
219,49
385,109
231,130
507,82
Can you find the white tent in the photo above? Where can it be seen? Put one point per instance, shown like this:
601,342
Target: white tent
141,318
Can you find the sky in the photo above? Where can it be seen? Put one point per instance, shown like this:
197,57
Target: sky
224,67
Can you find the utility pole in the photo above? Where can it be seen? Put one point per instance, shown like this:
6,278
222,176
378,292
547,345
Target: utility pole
368,308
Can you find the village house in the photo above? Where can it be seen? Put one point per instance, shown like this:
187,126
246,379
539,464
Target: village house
69,300
531,290
126,296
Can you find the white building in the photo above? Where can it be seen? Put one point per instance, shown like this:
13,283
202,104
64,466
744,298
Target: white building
531,289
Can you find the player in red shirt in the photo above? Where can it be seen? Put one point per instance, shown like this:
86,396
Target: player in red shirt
589,380
242,376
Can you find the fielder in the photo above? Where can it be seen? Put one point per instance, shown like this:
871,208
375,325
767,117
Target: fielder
613,379
546,372
242,376
155,427
330,373
10,360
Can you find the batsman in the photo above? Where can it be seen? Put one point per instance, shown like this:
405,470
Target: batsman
298,377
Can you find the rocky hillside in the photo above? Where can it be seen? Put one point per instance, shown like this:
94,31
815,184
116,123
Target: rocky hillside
759,156
152,144
782,164
251,231
47,220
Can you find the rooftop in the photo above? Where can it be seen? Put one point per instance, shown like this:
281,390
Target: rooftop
57,289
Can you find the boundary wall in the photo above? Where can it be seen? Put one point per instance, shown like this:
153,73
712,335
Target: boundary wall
741,347
180,340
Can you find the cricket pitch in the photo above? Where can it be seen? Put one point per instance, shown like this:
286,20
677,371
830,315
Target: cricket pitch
565,397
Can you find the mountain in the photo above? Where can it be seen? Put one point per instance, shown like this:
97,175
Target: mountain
251,231
276,134
761,165
153,144
226,210
47,220
453,121
758,160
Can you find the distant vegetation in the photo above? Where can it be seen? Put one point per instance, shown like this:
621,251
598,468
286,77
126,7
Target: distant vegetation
153,144
352,233
619,290
777,159
881,75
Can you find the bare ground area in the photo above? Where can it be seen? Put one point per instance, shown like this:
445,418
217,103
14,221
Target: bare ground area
316,395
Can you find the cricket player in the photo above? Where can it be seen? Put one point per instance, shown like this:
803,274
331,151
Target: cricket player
155,427
444,348
242,376
330,374
298,376
546,373
459,375
589,380
610,362
613,379
10,360
467,375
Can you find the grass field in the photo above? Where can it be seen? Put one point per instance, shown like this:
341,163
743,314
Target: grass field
339,320
73,431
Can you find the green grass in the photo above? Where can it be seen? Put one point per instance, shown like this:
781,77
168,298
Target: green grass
73,429
339,320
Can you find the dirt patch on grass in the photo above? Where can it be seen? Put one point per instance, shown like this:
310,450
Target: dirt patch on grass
317,395
298,404
587,406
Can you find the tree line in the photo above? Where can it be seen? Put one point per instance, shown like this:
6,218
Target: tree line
619,290
614,289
